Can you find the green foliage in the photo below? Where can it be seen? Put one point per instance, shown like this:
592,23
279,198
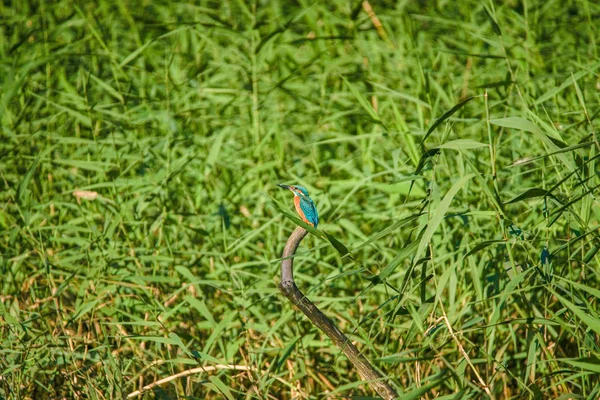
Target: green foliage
141,145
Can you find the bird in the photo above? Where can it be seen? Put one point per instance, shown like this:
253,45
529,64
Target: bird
305,206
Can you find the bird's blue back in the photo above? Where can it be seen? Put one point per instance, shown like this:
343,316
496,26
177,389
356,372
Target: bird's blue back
309,209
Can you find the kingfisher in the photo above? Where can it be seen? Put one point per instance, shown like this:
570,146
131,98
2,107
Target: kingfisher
304,205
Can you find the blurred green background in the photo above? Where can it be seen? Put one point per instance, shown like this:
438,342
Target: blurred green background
450,148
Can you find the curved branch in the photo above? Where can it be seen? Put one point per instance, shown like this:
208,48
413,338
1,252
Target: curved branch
290,290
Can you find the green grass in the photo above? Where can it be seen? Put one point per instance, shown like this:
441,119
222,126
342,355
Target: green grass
141,145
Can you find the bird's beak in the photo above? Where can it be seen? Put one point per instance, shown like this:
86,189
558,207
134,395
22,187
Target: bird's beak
283,186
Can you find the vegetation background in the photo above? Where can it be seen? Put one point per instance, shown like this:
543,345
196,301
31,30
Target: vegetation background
450,147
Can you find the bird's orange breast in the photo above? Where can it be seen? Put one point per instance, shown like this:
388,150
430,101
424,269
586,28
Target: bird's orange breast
299,210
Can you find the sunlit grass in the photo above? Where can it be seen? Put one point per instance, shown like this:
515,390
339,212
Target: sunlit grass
140,241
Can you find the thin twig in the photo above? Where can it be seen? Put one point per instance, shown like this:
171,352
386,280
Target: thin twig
483,384
188,372
290,290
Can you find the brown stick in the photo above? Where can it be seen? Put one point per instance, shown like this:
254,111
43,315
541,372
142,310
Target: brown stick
290,290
